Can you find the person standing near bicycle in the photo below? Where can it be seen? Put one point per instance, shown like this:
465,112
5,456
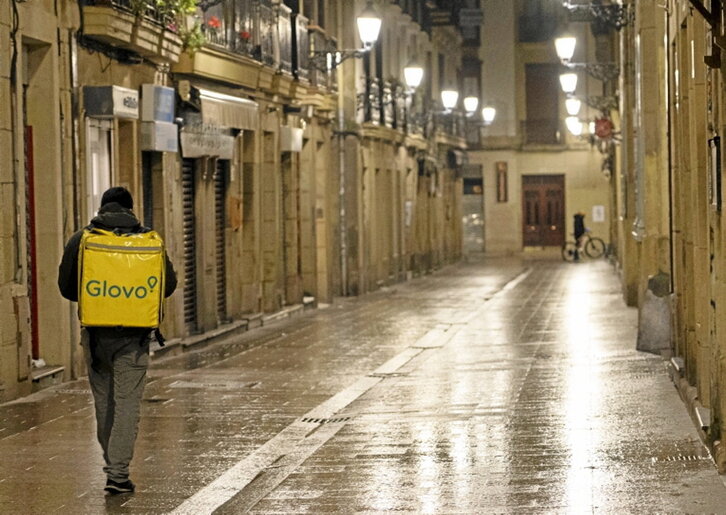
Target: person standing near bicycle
579,223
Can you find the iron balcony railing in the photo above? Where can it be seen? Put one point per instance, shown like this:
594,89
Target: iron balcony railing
321,43
148,10
270,33
453,123
283,43
386,103
301,47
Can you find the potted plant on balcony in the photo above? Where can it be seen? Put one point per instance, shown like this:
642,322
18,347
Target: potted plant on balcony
176,16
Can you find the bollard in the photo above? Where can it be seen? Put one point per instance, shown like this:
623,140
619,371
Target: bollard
654,317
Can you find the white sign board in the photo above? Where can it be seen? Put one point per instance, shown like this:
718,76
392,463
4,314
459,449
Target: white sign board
206,140
598,213
159,137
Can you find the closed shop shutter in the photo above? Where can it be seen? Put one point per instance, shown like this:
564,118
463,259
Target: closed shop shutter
190,248
220,191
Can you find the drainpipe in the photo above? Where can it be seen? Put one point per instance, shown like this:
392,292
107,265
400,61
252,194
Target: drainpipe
341,197
669,132
75,222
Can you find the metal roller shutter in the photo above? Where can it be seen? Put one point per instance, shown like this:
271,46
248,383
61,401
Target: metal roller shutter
220,190
190,247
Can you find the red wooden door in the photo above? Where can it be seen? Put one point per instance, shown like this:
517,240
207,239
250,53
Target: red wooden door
543,210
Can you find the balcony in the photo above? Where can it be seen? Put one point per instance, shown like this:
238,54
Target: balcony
151,35
252,43
453,124
321,42
240,27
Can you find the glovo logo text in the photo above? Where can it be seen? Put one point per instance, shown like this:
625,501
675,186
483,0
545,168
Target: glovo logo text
96,288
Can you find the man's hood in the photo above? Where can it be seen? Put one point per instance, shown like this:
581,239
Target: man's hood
114,216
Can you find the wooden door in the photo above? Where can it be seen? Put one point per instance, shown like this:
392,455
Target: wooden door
543,210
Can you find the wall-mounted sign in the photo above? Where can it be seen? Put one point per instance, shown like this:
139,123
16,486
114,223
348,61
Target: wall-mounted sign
598,213
110,102
157,103
291,139
502,186
159,137
204,139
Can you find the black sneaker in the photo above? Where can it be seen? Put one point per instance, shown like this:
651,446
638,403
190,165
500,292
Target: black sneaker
119,488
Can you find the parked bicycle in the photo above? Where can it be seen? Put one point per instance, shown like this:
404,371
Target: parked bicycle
590,246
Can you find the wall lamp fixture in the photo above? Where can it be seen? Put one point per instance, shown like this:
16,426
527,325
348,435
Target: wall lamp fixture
369,26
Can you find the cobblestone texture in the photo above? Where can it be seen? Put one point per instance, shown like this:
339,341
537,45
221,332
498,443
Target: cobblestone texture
524,399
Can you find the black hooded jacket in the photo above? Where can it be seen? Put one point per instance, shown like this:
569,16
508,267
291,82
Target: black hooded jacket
111,216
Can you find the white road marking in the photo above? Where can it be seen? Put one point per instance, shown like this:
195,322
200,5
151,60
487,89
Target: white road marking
300,438
289,440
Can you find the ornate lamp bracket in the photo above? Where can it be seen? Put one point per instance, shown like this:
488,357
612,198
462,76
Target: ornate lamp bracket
613,15
602,103
601,71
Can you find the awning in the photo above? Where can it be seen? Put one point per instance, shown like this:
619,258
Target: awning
228,111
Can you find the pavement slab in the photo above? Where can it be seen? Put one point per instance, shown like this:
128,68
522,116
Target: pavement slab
497,386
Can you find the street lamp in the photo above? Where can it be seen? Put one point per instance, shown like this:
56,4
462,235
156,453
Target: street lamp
413,75
488,114
470,105
568,81
574,125
573,106
369,26
565,47
449,98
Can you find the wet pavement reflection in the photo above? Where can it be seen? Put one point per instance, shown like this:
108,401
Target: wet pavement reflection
502,386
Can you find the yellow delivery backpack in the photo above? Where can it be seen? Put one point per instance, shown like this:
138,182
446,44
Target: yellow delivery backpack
120,279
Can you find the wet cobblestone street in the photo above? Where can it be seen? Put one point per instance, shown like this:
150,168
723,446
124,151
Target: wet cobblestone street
501,386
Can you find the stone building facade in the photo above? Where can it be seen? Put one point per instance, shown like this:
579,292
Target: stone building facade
276,180
535,174
669,191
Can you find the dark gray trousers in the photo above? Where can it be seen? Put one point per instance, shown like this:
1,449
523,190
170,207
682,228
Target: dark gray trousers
117,377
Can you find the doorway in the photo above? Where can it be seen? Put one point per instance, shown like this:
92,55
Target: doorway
543,210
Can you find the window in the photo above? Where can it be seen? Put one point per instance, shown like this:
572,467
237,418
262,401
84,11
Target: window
442,72
98,166
537,20
321,13
473,186
542,92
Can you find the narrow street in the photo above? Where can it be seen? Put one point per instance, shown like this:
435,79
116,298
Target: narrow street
501,386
